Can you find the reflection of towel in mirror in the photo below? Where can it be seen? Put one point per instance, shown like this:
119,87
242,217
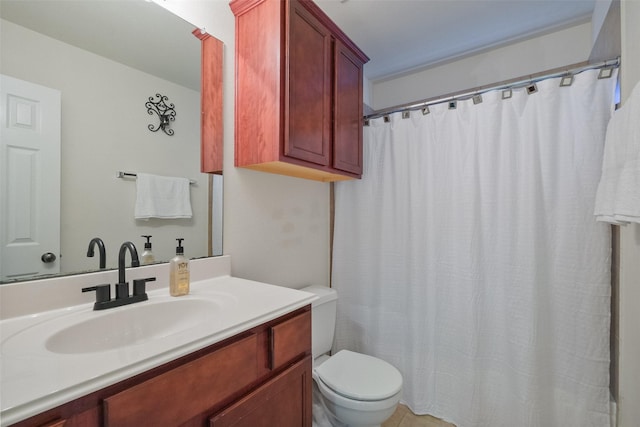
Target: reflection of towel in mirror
162,197
618,196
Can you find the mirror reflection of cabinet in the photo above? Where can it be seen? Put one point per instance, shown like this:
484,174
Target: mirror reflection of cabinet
298,92
211,133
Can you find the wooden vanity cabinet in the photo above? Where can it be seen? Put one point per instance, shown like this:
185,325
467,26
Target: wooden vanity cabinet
261,377
298,108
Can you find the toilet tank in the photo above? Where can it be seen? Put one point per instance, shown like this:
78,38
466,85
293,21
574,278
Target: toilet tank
323,319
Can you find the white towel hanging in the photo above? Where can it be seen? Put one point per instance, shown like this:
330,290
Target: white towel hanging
618,195
162,197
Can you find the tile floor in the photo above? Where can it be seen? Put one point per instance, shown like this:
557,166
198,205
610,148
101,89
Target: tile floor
403,417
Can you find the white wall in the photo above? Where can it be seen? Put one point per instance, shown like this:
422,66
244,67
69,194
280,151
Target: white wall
276,228
599,15
629,362
104,130
557,49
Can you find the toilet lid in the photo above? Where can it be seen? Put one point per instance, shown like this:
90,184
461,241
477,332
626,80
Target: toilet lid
358,376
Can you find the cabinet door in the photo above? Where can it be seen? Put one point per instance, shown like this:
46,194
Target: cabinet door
347,149
307,133
176,396
284,401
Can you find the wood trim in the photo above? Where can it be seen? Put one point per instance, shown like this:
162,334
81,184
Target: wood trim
56,423
332,226
305,172
210,208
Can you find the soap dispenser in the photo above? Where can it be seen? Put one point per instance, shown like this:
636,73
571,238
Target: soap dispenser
179,272
147,256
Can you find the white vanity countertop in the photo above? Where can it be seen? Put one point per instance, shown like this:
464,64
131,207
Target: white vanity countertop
34,379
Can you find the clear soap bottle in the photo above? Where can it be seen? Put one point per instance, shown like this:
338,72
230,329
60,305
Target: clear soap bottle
179,272
147,256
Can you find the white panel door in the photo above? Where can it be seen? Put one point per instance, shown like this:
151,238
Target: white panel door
29,179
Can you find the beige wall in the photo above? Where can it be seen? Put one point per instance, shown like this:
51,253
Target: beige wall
557,49
629,334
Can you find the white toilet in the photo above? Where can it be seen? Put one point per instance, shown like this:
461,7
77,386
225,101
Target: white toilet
355,389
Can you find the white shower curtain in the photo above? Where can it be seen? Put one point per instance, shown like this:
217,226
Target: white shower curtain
468,257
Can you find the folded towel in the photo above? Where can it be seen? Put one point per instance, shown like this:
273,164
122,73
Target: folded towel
162,197
618,195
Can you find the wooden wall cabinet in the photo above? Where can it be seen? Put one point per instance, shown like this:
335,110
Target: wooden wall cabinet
211,131
261,377
298,108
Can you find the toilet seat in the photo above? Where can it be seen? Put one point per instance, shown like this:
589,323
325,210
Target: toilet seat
359,377
363,406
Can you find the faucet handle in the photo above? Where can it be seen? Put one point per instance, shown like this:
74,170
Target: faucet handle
139,286
122,290
103,293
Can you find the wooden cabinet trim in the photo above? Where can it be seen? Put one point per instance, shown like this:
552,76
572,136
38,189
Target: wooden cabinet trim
56,423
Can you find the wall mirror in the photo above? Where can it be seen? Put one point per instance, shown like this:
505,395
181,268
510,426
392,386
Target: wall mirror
106,58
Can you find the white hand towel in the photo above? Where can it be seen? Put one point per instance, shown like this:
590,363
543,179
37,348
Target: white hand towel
162,197
618,195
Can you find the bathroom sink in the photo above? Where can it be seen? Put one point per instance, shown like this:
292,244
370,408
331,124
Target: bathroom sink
136,325
89,331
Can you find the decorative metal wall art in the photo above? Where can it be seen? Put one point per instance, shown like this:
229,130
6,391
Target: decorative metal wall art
164,110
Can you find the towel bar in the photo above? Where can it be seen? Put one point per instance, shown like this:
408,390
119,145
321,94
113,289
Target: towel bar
121,174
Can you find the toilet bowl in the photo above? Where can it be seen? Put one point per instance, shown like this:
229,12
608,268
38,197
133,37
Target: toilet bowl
355,389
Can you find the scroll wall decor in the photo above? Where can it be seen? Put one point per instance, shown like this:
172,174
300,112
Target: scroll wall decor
165,111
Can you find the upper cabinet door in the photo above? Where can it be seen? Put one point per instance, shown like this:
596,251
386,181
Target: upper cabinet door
308,84
347,145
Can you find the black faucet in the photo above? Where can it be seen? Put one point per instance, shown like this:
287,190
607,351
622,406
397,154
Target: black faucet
96,241
103,292
122,287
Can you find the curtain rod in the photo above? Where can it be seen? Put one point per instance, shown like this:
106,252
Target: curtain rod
506,84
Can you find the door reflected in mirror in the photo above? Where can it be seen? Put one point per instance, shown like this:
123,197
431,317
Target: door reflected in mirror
105,59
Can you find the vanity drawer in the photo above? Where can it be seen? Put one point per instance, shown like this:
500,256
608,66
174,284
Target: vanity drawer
289,340
177,395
